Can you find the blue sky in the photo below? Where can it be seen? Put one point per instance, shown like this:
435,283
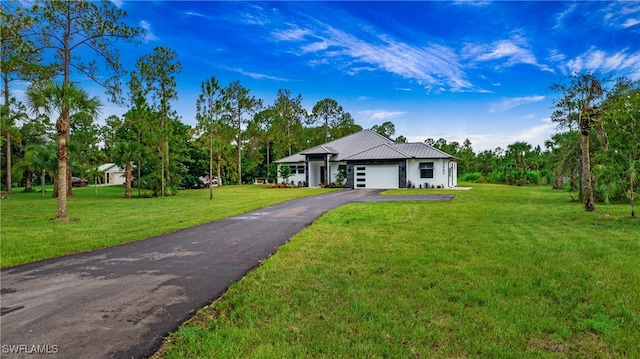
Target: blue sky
456,70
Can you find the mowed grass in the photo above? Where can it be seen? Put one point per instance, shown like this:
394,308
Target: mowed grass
28,234
499,272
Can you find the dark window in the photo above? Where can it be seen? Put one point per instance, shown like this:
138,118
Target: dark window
301,169
293,169
426,169
360,168
360,180
361,185
360,174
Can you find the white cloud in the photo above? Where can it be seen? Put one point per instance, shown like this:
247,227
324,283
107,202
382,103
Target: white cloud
598,60
377,115
432,66
510,103
117,3
258,76
511,51
148,34
630,22
191,13
535,136
291,34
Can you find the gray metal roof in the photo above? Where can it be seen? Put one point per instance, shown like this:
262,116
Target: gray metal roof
343,147
368,145
320,150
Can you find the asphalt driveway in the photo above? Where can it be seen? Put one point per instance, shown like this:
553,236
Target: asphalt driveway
120,302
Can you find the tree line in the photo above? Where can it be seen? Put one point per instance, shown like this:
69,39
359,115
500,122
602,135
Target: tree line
237,135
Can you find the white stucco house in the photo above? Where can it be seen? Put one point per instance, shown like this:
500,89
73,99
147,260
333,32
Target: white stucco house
113,174
370,160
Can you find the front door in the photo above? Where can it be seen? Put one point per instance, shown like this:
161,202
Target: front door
322,174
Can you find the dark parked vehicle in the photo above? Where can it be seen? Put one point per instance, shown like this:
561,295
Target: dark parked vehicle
78,182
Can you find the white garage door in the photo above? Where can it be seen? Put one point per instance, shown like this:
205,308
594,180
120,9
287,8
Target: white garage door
376,176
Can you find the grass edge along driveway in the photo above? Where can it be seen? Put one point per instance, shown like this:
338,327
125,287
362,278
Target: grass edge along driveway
105,218
498,272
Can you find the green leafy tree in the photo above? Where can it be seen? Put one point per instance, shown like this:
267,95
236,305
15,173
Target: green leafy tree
584,94
62,100
325,111
621,112
286,126
238,105
387,129
125,154
343,125
157,72
209,111
20,60
65,29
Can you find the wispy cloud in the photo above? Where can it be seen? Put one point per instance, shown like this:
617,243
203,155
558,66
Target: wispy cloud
258,76
511,52
117,3
148,34
192,13
562,15
378,115
433,66
290,34
630,22
510,103
598,60
622,14
476,3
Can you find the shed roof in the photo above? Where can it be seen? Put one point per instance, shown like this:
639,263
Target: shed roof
110,167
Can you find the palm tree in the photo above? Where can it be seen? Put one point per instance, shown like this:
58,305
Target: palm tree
37,159
63,100
126,153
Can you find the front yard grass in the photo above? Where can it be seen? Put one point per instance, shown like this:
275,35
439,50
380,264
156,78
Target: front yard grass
499,272
105,219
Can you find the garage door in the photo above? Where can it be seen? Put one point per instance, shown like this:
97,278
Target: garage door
376,176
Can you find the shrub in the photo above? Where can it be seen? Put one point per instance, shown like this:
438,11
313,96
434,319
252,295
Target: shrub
471,177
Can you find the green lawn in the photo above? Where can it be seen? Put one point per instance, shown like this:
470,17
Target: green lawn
499,272
105,219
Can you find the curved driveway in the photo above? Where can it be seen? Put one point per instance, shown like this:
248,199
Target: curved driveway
120,302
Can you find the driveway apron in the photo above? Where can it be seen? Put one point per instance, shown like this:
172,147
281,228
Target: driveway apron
120,302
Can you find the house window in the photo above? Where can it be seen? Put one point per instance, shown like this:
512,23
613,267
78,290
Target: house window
426,169
301,169
293,169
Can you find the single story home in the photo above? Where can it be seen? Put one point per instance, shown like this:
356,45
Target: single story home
113,174
370,160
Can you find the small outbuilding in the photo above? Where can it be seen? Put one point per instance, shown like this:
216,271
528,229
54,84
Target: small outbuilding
370,160
113,174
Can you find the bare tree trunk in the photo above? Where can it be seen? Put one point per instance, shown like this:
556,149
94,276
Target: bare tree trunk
9,190
210,165
28,186
219,158
558,180
8,154
62,127
42,179
129,177
587,180
633,199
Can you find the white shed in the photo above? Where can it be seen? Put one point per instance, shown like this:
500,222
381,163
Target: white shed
113,174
